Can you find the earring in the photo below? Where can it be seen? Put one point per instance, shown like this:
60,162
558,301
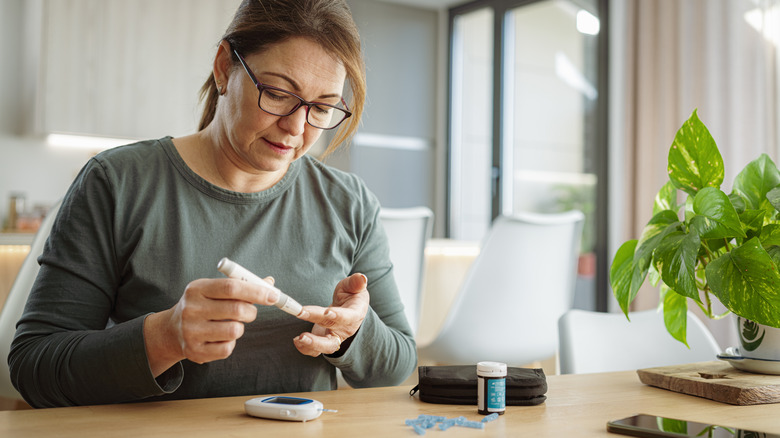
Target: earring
219,87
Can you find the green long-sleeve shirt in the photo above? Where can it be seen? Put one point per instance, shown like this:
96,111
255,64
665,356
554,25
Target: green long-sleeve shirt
137,225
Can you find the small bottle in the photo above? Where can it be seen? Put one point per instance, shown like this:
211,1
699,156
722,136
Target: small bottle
491,388
16,208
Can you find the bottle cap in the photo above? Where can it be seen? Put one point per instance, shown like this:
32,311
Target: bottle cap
491,369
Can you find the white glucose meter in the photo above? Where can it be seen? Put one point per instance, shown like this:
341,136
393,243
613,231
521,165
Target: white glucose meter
284,408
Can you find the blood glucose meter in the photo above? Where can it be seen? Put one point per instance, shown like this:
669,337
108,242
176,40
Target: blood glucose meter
284,408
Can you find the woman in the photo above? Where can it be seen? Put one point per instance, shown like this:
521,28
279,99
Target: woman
128,304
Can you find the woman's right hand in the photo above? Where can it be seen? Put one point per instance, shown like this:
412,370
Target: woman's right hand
206,322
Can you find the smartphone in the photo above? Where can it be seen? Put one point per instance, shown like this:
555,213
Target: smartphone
284,408
652,426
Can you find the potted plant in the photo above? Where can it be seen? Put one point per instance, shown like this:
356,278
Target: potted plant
712,245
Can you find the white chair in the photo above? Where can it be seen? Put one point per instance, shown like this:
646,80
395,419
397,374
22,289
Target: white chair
408,229
17,298
508,306
592,342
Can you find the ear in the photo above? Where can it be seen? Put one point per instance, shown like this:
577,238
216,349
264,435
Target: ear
223,64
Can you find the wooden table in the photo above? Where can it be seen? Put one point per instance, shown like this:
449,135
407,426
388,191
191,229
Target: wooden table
577,406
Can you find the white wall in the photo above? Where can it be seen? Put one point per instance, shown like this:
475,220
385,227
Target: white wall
395,151
38,171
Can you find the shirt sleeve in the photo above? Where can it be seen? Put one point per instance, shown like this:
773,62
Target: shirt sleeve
383,351
66,350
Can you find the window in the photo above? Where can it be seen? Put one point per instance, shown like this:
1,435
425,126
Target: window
527,125
471,135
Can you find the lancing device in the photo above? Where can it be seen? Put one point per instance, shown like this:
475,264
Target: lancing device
234,270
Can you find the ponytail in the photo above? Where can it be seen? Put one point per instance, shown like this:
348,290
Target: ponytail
208,95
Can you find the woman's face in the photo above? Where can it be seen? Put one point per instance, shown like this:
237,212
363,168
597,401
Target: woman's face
262,142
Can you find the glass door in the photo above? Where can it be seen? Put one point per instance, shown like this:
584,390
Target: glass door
471,124
533,140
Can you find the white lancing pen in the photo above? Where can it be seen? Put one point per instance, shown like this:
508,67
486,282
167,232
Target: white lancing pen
234,270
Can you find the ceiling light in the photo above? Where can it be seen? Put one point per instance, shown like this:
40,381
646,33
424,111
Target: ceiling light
87,142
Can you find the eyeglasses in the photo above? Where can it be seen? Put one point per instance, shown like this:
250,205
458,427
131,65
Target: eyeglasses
279,102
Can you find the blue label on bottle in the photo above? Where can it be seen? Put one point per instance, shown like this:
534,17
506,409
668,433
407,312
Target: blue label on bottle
496,394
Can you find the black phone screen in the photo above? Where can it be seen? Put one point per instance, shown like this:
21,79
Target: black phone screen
643,425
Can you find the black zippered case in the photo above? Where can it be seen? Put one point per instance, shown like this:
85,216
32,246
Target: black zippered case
457,385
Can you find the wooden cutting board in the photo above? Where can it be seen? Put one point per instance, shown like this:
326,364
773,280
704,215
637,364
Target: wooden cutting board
715,380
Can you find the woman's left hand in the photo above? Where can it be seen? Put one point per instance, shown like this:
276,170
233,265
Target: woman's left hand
335,324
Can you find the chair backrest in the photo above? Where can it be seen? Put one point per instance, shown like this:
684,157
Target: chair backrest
408,229
592,342
521,282
17,298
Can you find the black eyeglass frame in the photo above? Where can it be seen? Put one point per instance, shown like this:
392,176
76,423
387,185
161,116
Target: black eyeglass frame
302,102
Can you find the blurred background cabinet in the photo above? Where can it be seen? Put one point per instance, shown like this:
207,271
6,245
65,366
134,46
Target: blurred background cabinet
126,81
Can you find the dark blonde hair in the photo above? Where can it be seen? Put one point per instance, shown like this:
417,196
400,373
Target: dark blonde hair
259,24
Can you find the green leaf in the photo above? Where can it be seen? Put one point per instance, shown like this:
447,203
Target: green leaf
774,254
689,214
653,276
620,274
756,180
752,222
659,227
770,235
773,196
675,259
714,245
746,281
665,199
676,316
694,159
671,425
718,218
738,202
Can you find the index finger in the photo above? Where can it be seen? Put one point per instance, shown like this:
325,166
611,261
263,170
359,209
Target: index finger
233,289
233,270
324,316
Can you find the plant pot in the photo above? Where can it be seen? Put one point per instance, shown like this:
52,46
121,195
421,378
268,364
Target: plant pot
758,341
758,350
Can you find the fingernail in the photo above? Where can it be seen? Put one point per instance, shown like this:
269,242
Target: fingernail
364,277
274,296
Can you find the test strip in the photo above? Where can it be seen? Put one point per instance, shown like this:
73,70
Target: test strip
234,270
